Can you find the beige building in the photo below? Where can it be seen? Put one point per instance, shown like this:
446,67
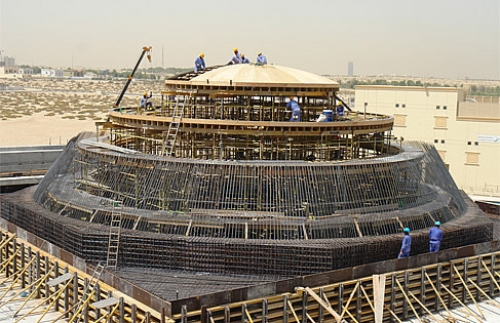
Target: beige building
465,131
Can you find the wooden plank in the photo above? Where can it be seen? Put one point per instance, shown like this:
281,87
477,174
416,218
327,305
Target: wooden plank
105,302
60,279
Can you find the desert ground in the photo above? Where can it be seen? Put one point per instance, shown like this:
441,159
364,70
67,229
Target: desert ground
51,111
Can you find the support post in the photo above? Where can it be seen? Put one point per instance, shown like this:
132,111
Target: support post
23,264
265,310
478,278
321,315
404,290
122,310
341,298
227,314
378,297
133,313
285,308
393,296
422,290
305,297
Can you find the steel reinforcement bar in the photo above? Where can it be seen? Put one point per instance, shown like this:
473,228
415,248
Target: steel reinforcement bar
35,274
389,297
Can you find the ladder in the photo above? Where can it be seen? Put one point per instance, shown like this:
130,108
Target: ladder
173,127
114,236
96,275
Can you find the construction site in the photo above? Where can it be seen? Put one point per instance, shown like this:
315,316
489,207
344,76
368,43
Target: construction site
218,206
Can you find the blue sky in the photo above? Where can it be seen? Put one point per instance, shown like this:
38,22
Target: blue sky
445,38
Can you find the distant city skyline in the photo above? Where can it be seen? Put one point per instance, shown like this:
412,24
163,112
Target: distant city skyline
444,39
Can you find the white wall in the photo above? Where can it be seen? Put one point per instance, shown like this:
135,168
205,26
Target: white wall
482,178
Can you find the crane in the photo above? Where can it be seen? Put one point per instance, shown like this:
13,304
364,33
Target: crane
131,76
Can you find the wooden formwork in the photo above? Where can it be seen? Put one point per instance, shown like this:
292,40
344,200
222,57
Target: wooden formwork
36,275
391,297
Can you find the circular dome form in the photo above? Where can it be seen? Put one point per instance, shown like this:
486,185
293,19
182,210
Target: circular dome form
263,75
255,78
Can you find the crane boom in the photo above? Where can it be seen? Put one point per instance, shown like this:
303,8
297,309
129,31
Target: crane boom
131,76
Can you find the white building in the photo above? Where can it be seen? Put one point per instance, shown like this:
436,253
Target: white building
51,73
466,132
25,70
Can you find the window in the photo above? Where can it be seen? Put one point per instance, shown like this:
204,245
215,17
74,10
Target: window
442,141
400,120
469,143
472,158
397,105
441,122
437,107
403,105
445,107
436,141
476,143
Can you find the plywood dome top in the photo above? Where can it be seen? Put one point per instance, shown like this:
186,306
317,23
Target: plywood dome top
251,75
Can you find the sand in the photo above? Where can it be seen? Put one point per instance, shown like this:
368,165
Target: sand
52,111
38,130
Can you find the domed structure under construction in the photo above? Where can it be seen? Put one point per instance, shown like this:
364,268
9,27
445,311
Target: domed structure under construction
221,168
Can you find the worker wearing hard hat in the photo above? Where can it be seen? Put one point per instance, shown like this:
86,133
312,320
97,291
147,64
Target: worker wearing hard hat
435,237
261,59
405,245
199,63
339,109
145,103
244,60
235,58
292,104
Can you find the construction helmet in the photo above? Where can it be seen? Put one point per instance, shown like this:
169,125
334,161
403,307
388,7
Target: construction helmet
260,53
145,93
202,55
406,230
437,223
242,55
339,103
235,49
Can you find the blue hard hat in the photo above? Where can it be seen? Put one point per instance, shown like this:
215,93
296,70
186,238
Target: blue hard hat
406,230
437,223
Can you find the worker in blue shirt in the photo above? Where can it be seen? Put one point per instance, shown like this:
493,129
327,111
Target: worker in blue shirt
145,103
405,245
261,59
236,57
339,109
199,63
435,237
292,104
244,60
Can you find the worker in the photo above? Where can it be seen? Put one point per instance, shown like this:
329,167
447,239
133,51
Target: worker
244,60
292,104
199,63
435,237
145,103
405,245
261,59
339,109
235,58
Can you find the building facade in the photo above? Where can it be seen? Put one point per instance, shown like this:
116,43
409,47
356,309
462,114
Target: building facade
51,73
465,131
